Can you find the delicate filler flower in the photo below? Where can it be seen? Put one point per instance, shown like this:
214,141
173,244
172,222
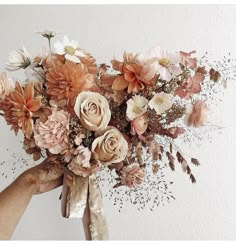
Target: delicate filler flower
6,85
168,63
136,106
139,125
161,102
69,49
110,146
132,175
53,134
19,106
93,110
196,115
66,81
18,59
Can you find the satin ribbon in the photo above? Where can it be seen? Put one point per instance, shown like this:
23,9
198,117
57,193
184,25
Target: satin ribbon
82,198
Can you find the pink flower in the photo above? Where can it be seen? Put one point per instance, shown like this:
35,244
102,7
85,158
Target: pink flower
187,60
80,164
196,114
149,66
79,160
6,85
79,138
139,125
192,86
132,175
168,63
53,134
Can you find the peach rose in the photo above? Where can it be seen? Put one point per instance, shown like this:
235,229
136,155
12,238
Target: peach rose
6,85
93,110
196,115
110,146
132,175
139,125
53,134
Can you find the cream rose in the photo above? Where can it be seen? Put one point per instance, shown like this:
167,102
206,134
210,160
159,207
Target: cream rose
110,146
93,110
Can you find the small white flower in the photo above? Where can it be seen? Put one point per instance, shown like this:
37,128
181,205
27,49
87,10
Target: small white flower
19,58
47,33
69,49
168,63
161,102
6,85
35,73
136,106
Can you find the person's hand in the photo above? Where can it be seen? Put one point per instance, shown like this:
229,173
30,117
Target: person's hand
44,177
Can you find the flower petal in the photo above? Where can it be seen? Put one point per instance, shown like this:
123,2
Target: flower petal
120,83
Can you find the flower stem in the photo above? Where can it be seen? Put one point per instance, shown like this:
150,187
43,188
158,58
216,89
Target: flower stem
49,43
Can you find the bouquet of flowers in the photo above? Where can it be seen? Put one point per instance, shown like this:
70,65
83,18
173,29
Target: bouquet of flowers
93,117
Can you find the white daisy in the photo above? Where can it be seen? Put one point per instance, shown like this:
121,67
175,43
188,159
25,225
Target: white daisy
161,102
136,106
69,49
19,58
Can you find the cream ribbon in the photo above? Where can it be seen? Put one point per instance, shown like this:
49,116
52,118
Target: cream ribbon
82,198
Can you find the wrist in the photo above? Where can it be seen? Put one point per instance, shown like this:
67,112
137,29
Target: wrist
27,182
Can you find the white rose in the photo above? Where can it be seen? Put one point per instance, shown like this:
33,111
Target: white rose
93,110
110,146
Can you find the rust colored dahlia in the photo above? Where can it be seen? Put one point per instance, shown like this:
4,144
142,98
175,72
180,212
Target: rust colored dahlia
18,108
66,81
130,77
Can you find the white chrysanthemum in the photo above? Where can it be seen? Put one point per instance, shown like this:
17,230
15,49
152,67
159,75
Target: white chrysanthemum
19,58
136,106
69,49
161,102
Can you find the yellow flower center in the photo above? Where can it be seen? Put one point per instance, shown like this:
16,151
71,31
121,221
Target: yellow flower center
137,109
164,62
159,100
69,50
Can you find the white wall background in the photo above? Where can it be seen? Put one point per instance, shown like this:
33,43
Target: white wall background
203,211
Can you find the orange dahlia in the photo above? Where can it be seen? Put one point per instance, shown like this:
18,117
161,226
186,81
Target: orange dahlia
66,81
90,62
130,76
18,108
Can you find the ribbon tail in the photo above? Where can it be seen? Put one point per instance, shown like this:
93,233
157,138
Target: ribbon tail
98,224
82,198
74,196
